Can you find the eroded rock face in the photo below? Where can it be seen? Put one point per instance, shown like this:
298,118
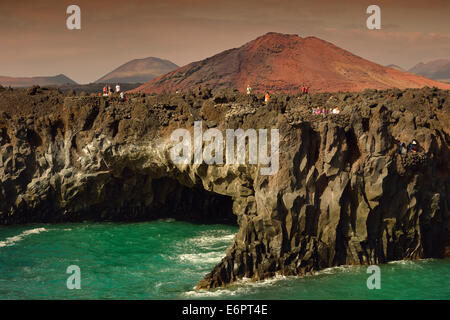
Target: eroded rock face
342,194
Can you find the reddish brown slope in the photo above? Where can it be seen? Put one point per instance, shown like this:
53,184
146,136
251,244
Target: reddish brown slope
282,63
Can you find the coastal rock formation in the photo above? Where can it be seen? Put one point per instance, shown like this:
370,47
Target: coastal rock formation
342,194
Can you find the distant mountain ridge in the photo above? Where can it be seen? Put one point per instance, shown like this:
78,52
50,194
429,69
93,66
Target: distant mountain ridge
283,63
139,71
21,82
435,69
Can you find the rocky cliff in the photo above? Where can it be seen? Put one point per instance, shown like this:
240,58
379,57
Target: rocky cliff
342,194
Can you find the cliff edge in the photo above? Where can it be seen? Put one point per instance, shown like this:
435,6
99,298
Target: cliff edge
342,194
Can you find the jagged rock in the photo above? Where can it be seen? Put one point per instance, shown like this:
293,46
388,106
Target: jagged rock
342,194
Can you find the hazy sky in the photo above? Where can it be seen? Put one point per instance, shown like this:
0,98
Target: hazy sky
35,40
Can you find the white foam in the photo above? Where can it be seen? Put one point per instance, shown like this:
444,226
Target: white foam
240,287
12,240
264,282
209,293
336,269
201,258
206,241
405,262
414,264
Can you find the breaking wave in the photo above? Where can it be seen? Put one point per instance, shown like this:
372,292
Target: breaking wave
12,240
201,258
208,241
241,287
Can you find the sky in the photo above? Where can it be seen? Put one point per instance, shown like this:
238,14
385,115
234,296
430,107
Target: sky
36,42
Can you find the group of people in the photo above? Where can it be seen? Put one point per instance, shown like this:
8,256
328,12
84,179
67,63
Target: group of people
108,91
325,110
266,96
305,90
412,147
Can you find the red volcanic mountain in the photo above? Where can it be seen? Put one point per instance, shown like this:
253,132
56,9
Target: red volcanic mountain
283,63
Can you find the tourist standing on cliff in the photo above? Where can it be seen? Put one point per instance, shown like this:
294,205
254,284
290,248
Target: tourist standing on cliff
249,89
336,110
105,90
123,96
402,148
412,147
267,98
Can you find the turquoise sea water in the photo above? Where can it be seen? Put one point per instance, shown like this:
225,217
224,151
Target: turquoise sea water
165,260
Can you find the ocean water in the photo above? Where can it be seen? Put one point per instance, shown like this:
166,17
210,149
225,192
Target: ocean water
165,259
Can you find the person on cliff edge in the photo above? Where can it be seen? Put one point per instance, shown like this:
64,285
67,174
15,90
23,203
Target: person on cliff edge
412,147
267,98
401,148
105,90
